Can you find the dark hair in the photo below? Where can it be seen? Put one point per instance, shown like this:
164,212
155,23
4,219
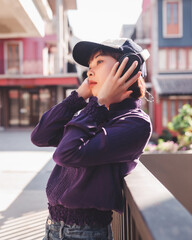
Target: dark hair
113,53
138,87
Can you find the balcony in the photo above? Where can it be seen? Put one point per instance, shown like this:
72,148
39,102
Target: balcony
35,73
46,66
151,211
20,18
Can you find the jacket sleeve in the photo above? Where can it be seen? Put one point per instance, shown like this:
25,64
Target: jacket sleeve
49,130
86,144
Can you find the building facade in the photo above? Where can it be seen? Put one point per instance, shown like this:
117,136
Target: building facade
165,28
35,68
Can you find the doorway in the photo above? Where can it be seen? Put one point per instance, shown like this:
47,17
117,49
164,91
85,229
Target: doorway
34,109
27,105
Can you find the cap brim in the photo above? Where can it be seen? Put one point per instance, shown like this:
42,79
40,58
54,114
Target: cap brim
83,50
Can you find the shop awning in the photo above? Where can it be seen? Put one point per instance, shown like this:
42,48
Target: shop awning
173,84
33,80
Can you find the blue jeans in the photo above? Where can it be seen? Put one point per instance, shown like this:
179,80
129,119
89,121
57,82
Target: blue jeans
61,231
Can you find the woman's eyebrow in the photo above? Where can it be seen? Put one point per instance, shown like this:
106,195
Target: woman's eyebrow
100,54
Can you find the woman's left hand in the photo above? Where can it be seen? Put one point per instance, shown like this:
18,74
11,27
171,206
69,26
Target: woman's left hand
115,87
84,90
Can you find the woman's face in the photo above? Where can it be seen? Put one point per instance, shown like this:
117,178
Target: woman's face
99,68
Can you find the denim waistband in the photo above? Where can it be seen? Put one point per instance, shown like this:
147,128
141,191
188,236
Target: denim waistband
60,230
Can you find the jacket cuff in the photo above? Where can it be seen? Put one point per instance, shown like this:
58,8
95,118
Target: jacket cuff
99,113
76,103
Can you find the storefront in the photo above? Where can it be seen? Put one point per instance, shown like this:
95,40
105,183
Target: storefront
23,105
27,105
172,92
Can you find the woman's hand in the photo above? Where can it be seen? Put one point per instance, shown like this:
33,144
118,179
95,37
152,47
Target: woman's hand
115,87
84,90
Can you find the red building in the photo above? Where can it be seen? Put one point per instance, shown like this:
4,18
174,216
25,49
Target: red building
164,28
35,73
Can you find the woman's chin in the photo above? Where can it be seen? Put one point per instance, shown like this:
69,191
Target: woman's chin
94,93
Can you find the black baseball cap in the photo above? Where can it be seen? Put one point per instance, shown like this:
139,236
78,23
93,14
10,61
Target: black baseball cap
82,51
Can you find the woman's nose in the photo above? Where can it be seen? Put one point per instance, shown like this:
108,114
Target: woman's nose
90,72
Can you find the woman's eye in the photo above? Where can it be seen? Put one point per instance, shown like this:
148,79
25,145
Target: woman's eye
99,61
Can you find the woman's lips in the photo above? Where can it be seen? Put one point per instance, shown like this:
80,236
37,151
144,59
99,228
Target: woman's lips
92,83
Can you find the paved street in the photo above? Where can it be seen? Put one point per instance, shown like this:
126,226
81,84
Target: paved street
24,170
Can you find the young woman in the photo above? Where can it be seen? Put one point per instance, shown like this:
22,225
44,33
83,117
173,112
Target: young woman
96,148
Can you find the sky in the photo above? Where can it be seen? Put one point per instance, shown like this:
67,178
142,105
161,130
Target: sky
98,20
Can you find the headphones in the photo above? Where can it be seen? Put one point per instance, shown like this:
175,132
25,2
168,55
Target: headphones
139,57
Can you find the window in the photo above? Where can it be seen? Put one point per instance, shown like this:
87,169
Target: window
172,18
175,59
190,59
173,113
168,13
14,107
172,59
164,114
13,57
24,108
170,108
45,100
180,104
162,59
182,59
175,13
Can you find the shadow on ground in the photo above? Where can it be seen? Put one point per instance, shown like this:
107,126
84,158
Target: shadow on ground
26,216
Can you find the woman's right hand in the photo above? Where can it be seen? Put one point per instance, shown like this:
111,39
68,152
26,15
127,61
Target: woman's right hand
84,90
115,87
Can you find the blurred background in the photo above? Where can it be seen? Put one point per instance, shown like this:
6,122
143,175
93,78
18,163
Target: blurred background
37,37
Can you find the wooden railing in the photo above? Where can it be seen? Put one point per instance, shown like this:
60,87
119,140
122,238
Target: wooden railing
151,211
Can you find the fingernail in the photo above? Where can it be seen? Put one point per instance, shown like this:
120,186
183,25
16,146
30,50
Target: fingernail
136,63
139,73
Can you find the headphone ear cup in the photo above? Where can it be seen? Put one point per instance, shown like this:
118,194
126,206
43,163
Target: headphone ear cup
132,57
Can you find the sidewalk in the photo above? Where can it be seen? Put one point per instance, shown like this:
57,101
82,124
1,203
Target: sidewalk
24,171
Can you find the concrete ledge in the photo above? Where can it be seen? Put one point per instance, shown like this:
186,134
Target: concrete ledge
157,213
174,171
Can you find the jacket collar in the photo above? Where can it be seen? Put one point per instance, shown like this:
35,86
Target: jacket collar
128,104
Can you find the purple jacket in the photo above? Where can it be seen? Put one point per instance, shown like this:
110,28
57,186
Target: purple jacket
95,150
